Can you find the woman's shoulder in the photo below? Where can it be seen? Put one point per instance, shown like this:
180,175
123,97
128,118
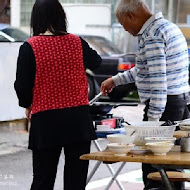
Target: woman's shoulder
25,47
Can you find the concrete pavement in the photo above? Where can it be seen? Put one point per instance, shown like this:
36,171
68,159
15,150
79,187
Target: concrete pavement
12,141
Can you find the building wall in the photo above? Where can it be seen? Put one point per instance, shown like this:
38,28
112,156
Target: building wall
26,8
5,11
15,13
160,5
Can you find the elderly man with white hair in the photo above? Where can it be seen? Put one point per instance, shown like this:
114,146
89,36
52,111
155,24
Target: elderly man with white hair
161,70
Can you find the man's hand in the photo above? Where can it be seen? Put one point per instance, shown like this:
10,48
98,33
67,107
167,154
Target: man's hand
107,86
28,112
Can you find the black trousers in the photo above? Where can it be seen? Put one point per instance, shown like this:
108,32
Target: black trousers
45,163
176,109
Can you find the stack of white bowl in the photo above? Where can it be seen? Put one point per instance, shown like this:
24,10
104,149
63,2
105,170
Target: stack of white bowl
160,145
120,144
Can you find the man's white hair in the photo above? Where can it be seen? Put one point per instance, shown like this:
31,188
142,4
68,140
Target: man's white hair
124,6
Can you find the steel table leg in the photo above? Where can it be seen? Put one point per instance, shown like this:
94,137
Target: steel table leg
114,177
165,179
93,172
97,164
97,145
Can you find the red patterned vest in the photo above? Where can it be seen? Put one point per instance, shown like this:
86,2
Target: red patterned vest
60,80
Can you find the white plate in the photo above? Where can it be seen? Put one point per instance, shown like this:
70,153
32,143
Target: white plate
139,150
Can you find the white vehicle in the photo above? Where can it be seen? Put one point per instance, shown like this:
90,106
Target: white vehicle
9,109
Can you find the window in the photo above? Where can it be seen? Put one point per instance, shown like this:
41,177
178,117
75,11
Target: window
112,2
101,45
16,34
183,11
26,9
3,39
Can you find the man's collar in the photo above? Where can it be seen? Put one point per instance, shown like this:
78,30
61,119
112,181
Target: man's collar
149,21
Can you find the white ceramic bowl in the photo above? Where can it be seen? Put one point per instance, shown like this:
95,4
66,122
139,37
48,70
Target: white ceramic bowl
160,139
159,148
120,149
120,138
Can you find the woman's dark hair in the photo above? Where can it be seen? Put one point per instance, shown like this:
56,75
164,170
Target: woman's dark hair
48,15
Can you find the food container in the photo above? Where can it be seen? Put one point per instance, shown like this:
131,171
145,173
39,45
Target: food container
148,129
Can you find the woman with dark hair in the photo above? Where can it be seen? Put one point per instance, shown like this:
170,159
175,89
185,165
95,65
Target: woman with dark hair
51,84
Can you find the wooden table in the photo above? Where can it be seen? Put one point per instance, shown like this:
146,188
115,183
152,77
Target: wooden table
171,160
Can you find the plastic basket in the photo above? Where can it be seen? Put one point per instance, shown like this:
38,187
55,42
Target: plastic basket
148,129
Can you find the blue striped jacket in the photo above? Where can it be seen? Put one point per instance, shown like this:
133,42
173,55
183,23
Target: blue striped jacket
161,66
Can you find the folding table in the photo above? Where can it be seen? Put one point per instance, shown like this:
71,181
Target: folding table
113,173
178,160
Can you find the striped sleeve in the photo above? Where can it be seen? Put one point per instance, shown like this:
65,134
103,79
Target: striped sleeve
125,77
156,62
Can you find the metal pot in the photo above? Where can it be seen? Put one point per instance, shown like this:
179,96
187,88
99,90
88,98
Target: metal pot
185,143
102,108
